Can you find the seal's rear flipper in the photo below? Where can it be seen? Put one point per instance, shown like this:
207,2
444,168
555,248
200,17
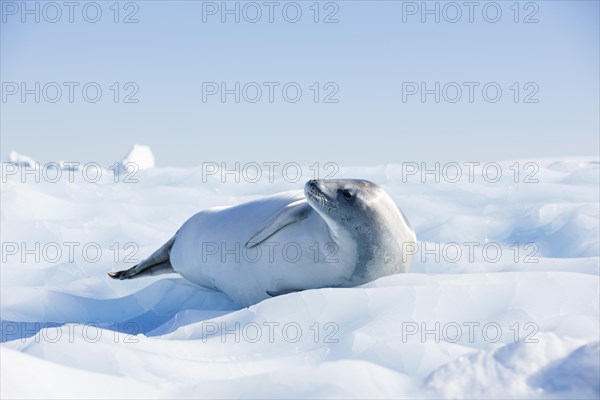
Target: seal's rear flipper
116,275
136,272
158,263
275,293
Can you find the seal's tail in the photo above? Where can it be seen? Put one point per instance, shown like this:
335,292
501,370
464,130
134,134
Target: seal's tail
158,263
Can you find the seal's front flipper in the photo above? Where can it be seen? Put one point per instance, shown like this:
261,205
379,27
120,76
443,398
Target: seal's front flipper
158,263
293,212
275,293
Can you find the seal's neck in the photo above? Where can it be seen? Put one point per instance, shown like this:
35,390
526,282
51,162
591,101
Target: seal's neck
346,246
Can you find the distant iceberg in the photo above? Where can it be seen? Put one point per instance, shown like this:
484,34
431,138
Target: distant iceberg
139,155
21,160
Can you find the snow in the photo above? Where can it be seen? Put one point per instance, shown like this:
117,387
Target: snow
429,333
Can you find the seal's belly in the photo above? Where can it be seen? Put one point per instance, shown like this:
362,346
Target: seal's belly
210,250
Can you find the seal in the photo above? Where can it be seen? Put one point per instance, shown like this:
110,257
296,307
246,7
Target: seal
335,233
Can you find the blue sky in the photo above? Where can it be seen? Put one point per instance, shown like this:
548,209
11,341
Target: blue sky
373,51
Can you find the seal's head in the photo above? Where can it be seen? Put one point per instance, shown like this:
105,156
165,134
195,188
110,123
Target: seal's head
363,212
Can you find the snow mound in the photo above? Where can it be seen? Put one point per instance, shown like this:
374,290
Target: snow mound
578,373
513,370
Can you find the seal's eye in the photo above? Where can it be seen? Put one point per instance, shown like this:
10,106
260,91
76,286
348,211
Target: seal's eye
347,193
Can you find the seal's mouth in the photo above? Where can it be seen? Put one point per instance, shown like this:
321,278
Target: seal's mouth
318,197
